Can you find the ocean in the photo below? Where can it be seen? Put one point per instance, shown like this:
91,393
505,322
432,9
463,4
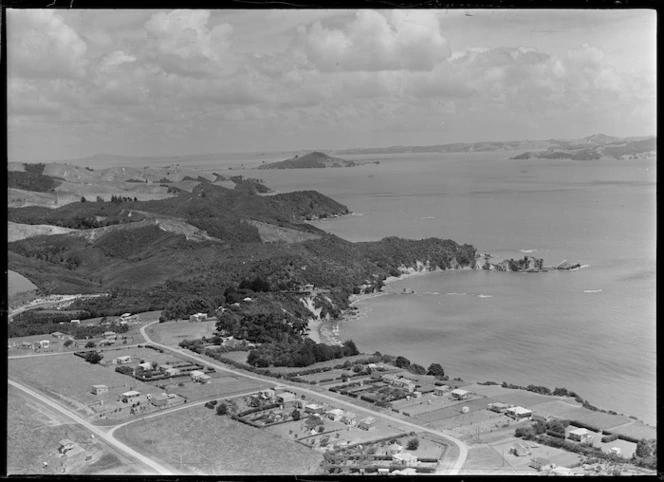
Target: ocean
591,330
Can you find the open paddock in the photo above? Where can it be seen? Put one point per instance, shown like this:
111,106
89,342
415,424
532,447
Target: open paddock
237,356
217,445
171,333
637,430
137,354
335,375
453,410
416,406
70,379
328,363
571,410
484,460
220,385
557,456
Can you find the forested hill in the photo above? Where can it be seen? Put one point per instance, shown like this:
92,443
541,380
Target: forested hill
208,250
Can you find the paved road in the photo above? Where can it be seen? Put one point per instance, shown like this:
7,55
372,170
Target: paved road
463,448
150,465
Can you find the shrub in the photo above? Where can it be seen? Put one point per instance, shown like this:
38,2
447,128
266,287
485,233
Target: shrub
413,444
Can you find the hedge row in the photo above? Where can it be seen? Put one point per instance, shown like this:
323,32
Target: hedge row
258,409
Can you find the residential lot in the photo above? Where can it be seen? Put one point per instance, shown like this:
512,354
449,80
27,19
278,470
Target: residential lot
216,445
34,433
173,332
570,410
220,385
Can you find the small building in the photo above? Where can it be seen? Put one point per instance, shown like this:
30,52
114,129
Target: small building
65,445
540,463
519,413
465,409
383,471
404,458
145,365
284,397
163,367
314,408
194,374
204,379
519,450
106,342
460,394
75,322
110,335
172,371
561,471
25,345
417,394
497,407
367,423
335,414
267,394
580,435
615,450
99,389
123,360
58,334
125,315
160,400
349,418
130,395
198,317
44,344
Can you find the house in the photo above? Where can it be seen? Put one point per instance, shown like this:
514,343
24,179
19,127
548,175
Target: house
497,407
99,389
195,374
58,335
75,322
24,345
267,394
393,449
519,450
160,401
123,360
44,344
349,418
460,394
145,365
367,423
335,414
171,372
314,408
404,458
540,463
204,379
417,394
284,397
110,335
519,413
198,317
615,450
106,342
383,471
163,367
401,382
580,435
129,396
561,471
65,445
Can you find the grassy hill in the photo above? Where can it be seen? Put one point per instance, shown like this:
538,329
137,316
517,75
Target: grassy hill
595,147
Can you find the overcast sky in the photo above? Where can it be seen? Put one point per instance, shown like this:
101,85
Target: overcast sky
148,82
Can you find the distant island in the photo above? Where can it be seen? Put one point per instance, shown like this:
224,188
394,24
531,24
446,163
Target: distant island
592,147
312,160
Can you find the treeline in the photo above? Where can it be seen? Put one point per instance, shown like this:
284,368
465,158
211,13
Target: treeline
298,353
557,392
123,199
35,322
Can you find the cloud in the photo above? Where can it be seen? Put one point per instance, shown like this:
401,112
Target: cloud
114,60
373,41
182,43
41,44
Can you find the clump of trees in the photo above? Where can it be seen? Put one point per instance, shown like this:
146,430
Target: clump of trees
413,444
93,357
291,351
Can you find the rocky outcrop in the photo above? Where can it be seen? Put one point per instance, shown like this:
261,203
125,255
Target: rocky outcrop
527,263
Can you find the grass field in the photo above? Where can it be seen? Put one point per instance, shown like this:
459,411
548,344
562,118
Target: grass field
637,430
33,435
220,386
572,411
214,445
173,332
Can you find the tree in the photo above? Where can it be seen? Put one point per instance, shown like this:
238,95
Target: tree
413,444
83,199
643,449
90,344
68,343
417,369
402,362
436,370
350,349
296,414
93,357
222,409
100,199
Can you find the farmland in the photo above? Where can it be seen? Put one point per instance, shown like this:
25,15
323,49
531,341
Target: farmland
34,433
220,386
173,332
216,445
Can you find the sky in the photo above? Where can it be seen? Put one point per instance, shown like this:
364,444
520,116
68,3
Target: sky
177,82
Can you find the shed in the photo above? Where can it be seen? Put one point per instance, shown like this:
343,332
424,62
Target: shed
465,409
367,423
123,360
615,450
335,414
66,445
404,458
171,372
283,397
75,322
145,365
539,463
520,450
349,418
99,389
460,394
44,344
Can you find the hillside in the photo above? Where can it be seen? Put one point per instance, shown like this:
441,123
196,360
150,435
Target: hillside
595,147
312,160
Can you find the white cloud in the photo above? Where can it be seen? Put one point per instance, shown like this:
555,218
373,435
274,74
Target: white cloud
41,44
115,59
372,41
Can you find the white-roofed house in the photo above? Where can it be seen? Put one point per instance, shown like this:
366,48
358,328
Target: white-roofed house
580,435
367,423
335,414
460,394
519,413
404,458
99,389
130,395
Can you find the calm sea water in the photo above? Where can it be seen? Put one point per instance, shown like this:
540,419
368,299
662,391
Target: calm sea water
591,330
